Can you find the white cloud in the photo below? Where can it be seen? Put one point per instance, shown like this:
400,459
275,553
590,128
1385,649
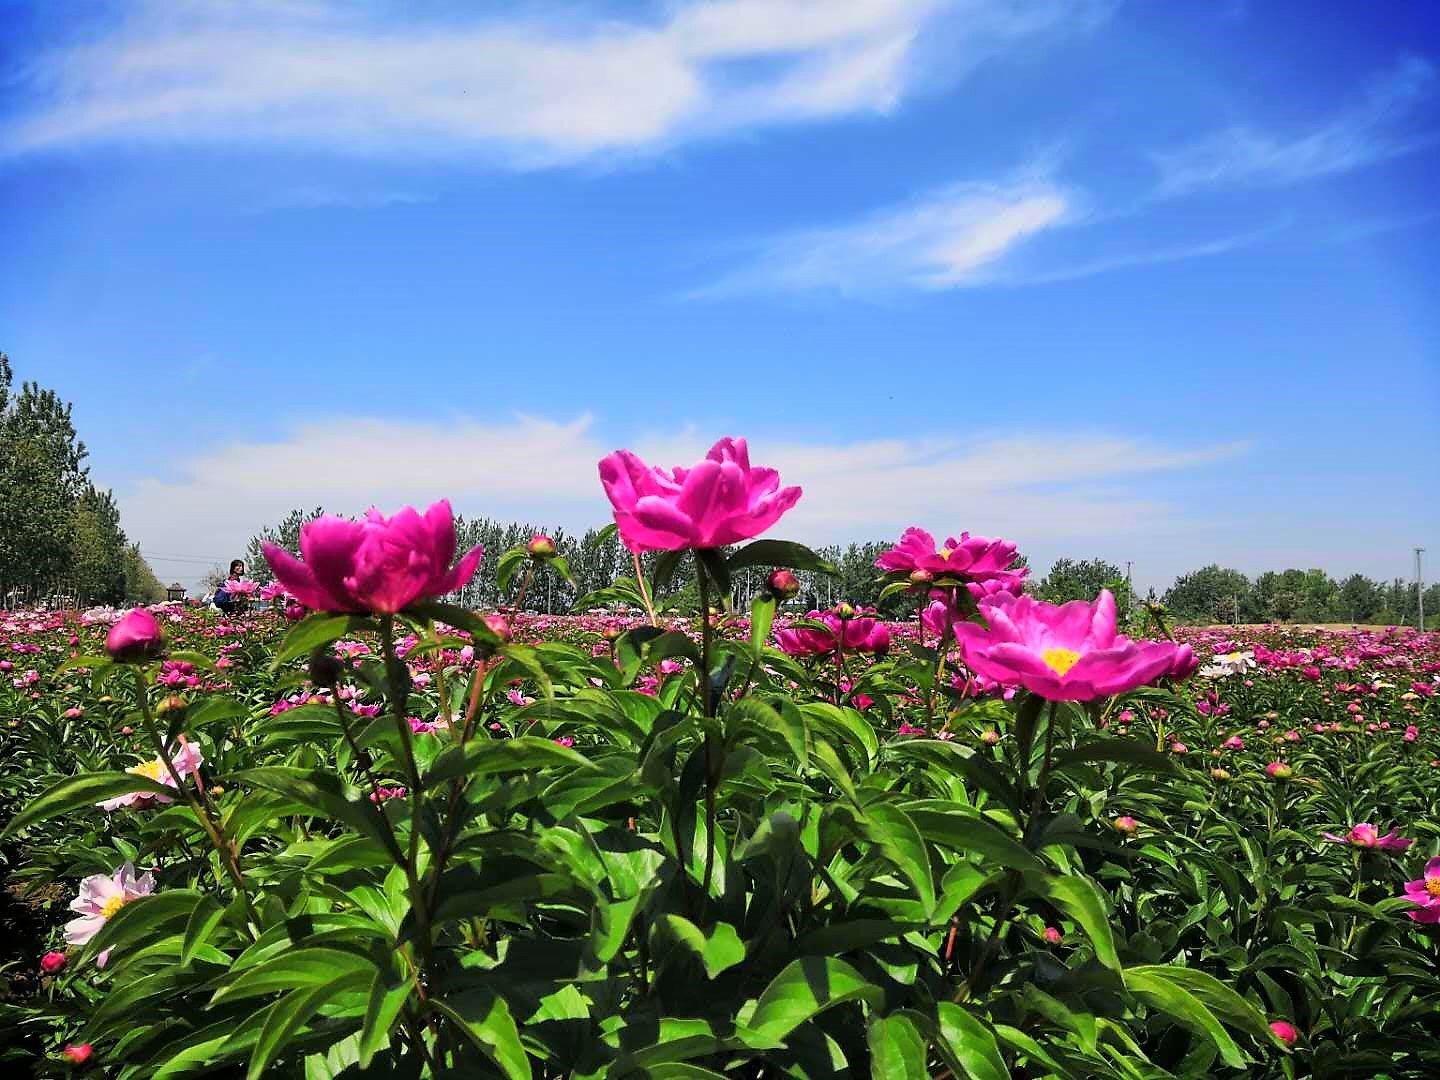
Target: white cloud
1371,131
944,239
517,87
1041,489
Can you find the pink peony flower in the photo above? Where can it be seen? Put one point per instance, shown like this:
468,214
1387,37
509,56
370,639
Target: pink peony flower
135,636
272,591
859,634
101,896
720,501
379,564
1366,835
241,587
970,558
187,759
1069,652
1426,894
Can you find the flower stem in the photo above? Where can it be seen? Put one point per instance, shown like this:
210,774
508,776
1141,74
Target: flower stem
712,766
645,596
222,843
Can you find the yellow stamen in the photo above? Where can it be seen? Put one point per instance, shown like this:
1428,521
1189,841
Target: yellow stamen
1060,660
111,906
1432,886
945,553
151,770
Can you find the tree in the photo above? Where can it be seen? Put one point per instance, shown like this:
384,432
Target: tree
1211,594
141,584
96,557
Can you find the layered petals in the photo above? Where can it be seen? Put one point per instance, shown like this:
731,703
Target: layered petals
377,564
1065,652
720,501
966,558
1425,894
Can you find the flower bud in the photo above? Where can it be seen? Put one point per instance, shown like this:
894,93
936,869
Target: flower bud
1285,1032
1278,770
1220,774
135,638
844,610
541,547
782,584
499,626
172,703
1126,825
325,670
52,962
990,738
1053,936
921,578
77,1055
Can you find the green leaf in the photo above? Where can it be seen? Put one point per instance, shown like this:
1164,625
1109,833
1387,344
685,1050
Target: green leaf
83,791
205,916
780,553
454,615
806,988
967,1045
561,566
965,830
139,917
500,757
649,645
719,950
1081,899
1220,998
714,568
508,564
1122,751
382,1012
897,1049
762,617
326,795
665,564
891,829
1158,989
319,629
290,1014
484,1018
305,967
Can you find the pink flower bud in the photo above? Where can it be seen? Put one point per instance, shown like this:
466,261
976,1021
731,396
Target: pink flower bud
783,584
77,1055
52,962
135,637
541,547
1053,936
1285,1032
1126,825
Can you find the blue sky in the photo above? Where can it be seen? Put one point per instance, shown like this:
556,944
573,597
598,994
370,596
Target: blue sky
1148,281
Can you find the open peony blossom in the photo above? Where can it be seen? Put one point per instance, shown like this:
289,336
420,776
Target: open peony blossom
1231,663
1066,652
969,558
136,635
720,501
1426,894
101,896
377,564
863,633
241,587
187,759
1366,835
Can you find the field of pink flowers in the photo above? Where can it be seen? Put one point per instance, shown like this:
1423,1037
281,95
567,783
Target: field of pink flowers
369,833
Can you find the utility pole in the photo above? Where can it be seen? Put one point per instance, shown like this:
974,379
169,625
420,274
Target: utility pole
1419,590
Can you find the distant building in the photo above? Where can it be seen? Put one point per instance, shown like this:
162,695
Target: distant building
175,592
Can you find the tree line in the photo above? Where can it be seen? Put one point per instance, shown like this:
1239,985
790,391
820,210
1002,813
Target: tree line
60,535
597,560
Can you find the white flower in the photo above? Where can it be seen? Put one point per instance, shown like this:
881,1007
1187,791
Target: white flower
101,896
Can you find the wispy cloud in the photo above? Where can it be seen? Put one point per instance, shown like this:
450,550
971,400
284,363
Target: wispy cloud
512,85
941,240
1379,127
316,196
1077,485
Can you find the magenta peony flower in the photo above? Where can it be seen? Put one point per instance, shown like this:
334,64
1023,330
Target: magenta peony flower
1366,835
135,636
1426,894
859,634
379,564
970,558
1069,652
720,501
101,896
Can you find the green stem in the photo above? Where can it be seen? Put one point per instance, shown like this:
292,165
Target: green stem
708,707
645,596
222,844
524,585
